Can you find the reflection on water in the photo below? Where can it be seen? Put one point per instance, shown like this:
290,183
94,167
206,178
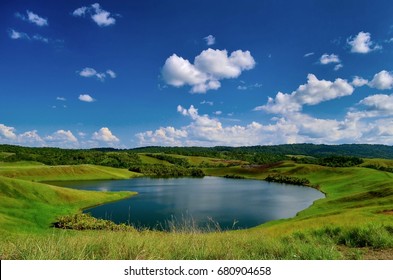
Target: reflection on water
201,202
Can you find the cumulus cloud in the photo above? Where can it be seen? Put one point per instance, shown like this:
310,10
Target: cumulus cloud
359,81
33,18
164,136
206,131
7,132
210,40
313,92
86,98
209,67
202,131
105,135
59,98
382,80
381,103
356,127
97,14
62,136
31,138
329,58
361,43
88,72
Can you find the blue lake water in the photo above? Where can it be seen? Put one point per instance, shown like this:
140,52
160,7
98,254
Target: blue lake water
206,202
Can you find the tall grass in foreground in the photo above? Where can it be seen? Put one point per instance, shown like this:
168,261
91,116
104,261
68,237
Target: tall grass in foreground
324,243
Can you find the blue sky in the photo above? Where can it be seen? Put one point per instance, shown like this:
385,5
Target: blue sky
124,74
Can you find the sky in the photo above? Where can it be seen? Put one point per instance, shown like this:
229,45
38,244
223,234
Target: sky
125,74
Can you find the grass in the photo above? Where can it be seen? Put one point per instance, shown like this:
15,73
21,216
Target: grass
151,160
30,207
198,160
40,173
354,221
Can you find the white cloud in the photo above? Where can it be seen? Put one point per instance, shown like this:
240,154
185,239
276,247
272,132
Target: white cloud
217,113
62,136
202,131
308,54
296,127
17,35
105,135
243,86
40,38
329,58
7,132
178,72
97,14
13,34
80,12
210,40
362,43
86,98
209,67
313,92
89,72
206,131
338,67
381,103
211,103
60,98
33,18
221,66
382,80
31,138
164,136
359,81
111,73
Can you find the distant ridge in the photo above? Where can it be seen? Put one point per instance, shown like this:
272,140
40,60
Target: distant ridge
316,150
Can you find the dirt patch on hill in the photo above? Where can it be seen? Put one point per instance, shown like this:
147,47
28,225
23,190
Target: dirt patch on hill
387,212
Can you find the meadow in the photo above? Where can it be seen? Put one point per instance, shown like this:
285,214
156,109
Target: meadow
354,221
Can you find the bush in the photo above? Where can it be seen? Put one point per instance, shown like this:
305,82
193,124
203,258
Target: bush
278,178
160,170
87,222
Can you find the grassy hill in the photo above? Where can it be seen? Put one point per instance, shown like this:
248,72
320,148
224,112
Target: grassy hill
34,171
354,221
29,207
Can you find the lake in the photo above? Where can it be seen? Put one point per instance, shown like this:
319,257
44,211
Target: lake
205,202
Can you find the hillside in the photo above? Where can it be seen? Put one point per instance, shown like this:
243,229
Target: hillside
28,207
353,221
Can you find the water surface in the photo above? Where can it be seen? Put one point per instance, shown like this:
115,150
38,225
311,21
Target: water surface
230,203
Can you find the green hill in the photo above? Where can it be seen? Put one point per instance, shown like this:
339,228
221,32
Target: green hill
28,207
39,172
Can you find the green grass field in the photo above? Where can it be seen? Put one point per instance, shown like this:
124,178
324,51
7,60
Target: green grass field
32,171
354,221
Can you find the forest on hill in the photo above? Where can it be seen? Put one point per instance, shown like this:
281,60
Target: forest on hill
252,154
